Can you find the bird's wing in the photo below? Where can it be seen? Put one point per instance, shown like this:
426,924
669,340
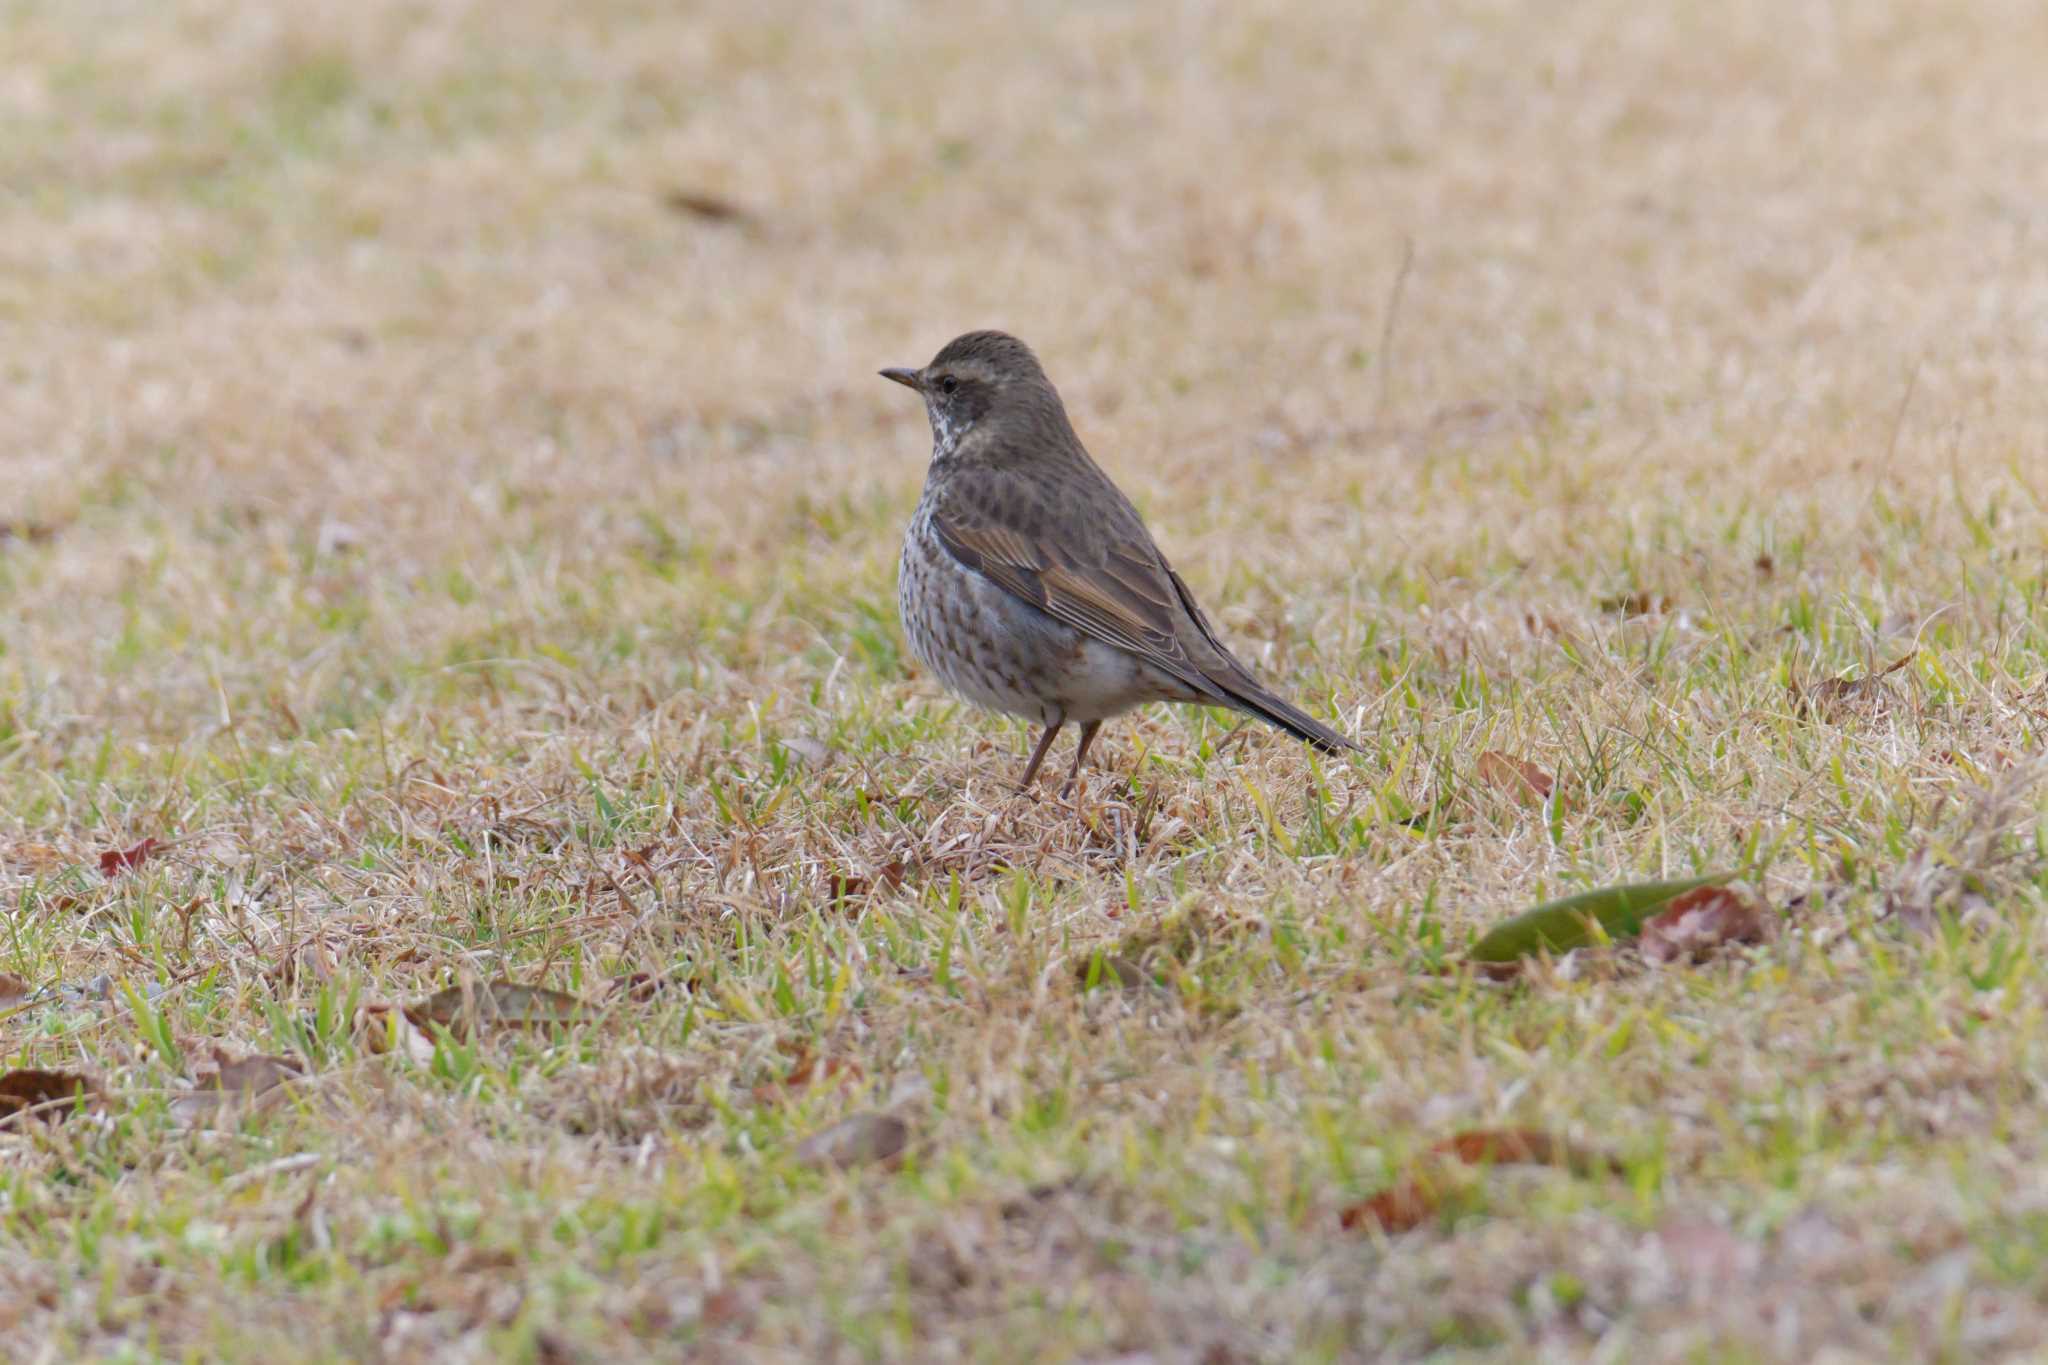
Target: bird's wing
1113,587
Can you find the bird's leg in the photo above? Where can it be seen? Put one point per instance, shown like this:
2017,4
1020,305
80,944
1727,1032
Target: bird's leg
1052,729
1088,729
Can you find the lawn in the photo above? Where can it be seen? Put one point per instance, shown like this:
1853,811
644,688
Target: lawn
448,648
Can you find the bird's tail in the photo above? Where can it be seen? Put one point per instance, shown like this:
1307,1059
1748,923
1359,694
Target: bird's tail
1236,687
1249,697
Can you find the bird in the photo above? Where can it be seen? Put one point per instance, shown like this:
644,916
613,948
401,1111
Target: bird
1028,582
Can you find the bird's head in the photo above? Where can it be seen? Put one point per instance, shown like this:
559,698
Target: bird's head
974,377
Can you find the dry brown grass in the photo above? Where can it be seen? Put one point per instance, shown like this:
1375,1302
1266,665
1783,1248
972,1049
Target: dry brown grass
480,563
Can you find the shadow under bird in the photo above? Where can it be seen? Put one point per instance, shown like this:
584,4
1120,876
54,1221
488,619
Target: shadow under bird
1030,585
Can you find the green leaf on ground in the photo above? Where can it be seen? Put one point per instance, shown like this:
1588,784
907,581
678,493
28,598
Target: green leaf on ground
1561,925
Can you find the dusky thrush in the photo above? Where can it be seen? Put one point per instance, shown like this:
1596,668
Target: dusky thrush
1030,585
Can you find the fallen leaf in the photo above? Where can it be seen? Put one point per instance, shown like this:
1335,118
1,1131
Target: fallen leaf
233,1084
1560,925
1525,1147
1438,1174
1406,1204
1704,1258
1765,565
1517,778
859,1140
1112,969
251,1075
382,1028
32,532
845,886
27,1092
496,1002
641,987
1830,695
13,991
114,861
811,753
37,857
803,1073
709,207
1694,924
1636,603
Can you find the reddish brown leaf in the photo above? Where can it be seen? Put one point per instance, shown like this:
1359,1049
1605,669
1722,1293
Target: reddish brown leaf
1524,1147
803,1073
1439,1174
13,991
1403,1205
114,861
42,1094
1698,922
1517,778
846,886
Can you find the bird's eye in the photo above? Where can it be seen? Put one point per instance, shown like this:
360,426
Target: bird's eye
948,384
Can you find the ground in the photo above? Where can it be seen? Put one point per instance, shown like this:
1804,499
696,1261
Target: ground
450,507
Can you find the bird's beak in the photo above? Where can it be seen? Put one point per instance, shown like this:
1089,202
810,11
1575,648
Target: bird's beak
909,379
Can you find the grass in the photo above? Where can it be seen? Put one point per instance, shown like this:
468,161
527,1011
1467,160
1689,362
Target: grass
475,562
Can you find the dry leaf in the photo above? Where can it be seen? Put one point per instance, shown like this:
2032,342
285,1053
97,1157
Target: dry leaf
496,1002
1113,969
1416,1197
1403,1205
706,206
33,532
114,861
13,991
641,987
1637,603
1698,922
804,1072
845,886
42,1094
856,1141
811,753
1525,1147
1517,778
1830,695
37,857
234,1084
382,1028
